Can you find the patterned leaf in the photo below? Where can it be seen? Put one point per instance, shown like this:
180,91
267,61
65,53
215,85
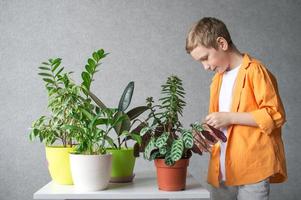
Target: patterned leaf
163,150
149,148
168,159
188,139
161,141
177,150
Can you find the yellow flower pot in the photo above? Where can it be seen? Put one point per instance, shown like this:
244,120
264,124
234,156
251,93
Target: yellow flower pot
59,164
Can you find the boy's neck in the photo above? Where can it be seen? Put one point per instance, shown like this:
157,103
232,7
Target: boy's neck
235,58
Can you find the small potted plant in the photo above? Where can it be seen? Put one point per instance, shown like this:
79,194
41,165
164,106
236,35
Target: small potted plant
64,100
165,141
91,163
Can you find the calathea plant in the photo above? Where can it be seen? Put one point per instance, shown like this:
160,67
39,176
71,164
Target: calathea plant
165,136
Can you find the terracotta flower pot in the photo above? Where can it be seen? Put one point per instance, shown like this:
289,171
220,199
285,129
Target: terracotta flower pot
171,178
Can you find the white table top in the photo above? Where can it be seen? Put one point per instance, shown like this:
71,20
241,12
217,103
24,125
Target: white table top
144,186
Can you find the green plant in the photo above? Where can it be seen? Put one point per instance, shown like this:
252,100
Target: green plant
124,128
165,137
93,131
65,99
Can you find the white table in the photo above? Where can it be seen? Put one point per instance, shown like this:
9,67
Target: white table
144,186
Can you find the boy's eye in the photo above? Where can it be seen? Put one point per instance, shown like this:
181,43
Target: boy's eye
204,58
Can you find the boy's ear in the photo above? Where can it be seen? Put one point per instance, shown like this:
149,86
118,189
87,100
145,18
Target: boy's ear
222,43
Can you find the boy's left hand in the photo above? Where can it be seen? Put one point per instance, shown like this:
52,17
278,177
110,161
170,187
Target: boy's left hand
218,119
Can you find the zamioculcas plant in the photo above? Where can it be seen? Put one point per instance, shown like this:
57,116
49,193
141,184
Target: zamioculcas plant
90,138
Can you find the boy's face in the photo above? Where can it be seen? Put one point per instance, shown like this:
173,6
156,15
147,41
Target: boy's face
216,60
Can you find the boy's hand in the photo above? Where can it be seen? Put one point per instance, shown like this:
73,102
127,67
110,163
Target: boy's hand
219,119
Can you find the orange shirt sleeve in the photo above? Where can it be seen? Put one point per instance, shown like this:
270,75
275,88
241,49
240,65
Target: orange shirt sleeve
270,113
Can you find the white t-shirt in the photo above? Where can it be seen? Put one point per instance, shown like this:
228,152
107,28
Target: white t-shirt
225,102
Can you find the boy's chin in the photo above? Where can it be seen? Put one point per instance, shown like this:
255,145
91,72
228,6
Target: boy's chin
220,70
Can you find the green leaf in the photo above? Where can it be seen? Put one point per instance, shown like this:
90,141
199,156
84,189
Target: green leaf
144,130
101,121
125,133
55,61
86,77
55,64
89,69
162,139
123,125
96,56
149,148
177,150
163,150
58,72
154,155
97,100
45,63
126,97
109,140
87,114
188,139
136,137
91,63
48,80
135,112
100,53
45,74
44,68
73,128
168,159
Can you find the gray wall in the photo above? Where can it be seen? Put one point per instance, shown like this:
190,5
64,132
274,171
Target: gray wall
146,40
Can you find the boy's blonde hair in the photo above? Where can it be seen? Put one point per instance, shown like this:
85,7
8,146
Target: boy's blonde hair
205,32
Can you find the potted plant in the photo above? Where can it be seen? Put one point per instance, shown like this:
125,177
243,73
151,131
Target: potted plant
64,100
90,163
126,129
165,141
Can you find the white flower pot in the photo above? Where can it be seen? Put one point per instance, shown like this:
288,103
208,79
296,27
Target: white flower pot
91,172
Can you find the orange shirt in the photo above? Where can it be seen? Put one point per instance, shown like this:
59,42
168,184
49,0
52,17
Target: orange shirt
253,153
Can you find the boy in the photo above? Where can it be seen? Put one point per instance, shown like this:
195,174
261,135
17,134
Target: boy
246,106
